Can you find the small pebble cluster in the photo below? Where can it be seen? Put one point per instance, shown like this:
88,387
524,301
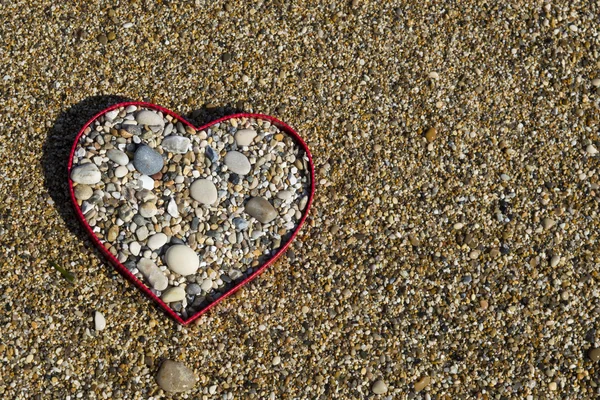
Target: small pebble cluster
190,213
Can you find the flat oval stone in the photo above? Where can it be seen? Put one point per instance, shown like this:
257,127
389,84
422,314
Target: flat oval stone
153,274
174,377
157,241
87,174
176,144
176,293
237,163
244,137
182,260
147,160
261,209
147,117
204,191
83,192
117,156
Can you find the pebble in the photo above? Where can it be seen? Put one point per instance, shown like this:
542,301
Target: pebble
261,209
182,260
422,383
175,377
176,144
141,233
594,354
87,174
554,261
134,248
596,82
102,39
121,171
193,289
117,156
285,195
431,134
591,149
212,155
150,118
204,191
548,223
458,226
379,387
244,137
153,274
240,223
147,182
83,192
99,321
237,163
172,208
173,294
112,234
157,241
147,161
111,115
276,360
553,386
207,285
148,209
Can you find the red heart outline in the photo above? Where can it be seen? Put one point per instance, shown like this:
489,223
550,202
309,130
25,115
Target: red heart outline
124,271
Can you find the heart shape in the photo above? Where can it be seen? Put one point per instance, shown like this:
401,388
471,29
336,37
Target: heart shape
172,181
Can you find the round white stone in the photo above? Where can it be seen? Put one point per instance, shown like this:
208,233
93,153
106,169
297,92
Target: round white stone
204,191
237,163
157,241
182,260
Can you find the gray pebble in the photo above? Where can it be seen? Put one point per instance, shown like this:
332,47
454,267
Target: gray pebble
147,161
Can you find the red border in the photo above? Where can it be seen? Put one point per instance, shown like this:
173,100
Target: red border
124,271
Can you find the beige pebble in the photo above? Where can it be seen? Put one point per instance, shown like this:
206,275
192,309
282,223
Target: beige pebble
422,383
